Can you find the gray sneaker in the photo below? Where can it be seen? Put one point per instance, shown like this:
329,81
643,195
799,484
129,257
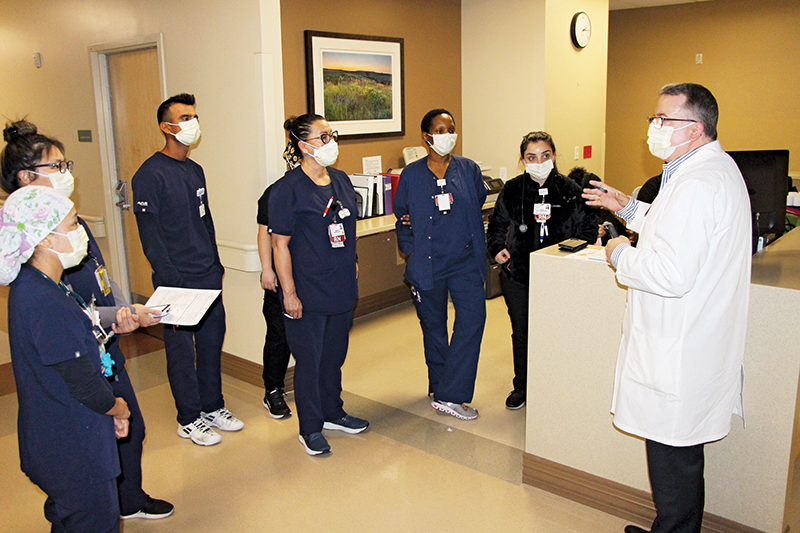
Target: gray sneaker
458,410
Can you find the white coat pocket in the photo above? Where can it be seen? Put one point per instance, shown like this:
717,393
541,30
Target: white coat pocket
653,362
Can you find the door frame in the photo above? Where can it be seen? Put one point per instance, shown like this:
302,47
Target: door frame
105,134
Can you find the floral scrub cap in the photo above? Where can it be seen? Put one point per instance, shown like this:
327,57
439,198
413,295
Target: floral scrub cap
29,215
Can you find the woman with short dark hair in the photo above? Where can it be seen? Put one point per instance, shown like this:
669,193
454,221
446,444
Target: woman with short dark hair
442,195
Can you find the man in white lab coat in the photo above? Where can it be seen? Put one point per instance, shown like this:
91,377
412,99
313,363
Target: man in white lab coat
679,371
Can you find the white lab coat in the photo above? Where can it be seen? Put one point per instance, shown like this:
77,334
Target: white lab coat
679,371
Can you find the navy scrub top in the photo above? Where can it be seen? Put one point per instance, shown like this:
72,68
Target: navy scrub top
175,192
423,242
324,277
81,279
62,444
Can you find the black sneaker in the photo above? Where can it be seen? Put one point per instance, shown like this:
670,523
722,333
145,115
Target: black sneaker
348,424
515,400
276,405
315,444
153,510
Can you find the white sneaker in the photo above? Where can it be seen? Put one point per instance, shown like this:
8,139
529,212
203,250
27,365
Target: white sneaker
222,419
200,433
462,410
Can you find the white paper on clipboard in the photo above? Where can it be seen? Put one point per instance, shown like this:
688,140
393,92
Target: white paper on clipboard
186,306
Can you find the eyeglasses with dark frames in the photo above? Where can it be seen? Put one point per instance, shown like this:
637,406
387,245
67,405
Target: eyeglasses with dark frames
326,137
659,121
61,166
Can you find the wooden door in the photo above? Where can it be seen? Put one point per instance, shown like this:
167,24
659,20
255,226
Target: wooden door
133,79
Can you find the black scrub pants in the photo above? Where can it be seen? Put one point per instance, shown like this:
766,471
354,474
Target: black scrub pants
319,345
515,295
676,479
276,347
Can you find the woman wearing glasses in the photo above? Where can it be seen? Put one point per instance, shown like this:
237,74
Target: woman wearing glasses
68,414
442,195
33,159
536,209
312,218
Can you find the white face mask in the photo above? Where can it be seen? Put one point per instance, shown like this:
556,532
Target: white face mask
190,132
660,140
79,241
63,184
327,154
539,171
443,143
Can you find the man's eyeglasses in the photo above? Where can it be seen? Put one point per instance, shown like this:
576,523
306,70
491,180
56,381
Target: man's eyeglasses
659,121
61,166
326,137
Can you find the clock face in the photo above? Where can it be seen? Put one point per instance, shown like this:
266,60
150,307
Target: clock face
581,29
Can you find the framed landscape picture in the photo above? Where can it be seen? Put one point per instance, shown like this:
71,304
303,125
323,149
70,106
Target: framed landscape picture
356,83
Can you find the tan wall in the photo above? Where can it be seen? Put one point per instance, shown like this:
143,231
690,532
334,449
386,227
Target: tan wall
503,63
750,64
522,73
575,84
432,46
220,53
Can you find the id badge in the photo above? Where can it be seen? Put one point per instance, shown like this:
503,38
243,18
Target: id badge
336,234
444,201
101,275
202,210
541,212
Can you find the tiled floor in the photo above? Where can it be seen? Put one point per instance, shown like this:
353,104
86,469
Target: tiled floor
414,470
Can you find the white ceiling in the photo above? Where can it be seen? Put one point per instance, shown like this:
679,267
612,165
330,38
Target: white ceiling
632,4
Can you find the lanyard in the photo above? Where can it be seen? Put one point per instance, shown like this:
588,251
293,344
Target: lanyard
89,309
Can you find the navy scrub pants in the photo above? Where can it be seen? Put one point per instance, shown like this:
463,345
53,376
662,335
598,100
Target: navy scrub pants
676,479
129,483
193,364
453,365
319,345
85,508
276,348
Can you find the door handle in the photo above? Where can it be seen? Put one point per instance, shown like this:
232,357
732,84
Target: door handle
122,195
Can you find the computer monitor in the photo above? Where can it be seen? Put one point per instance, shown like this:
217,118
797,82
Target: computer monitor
766,174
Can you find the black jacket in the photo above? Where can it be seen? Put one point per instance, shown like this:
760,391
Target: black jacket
570,218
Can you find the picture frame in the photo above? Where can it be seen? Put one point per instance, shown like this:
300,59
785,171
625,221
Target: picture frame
357,83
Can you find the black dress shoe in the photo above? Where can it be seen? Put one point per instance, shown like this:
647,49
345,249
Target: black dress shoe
635,529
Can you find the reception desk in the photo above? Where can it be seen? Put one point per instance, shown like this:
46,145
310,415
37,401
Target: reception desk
572,447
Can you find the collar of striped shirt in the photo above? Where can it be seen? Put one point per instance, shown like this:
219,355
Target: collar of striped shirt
669,168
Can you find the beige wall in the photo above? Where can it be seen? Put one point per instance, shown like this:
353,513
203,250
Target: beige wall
750,63
432,47
575,111
503,63
522,73
228,57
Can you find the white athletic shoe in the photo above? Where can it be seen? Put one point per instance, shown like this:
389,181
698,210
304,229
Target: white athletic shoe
458,410
222,419
200,433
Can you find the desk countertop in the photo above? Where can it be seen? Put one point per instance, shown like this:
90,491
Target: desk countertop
778,265
371,226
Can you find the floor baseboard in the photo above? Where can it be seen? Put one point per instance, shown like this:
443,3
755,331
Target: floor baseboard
608,496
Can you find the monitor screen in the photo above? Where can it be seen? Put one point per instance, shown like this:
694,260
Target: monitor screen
766,173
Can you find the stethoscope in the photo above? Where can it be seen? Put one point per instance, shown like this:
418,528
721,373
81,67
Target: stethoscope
522,227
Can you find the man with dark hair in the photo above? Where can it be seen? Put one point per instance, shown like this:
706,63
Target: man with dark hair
178,238
679,370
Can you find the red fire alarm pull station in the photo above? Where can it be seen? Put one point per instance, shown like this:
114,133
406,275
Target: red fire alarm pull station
587,151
